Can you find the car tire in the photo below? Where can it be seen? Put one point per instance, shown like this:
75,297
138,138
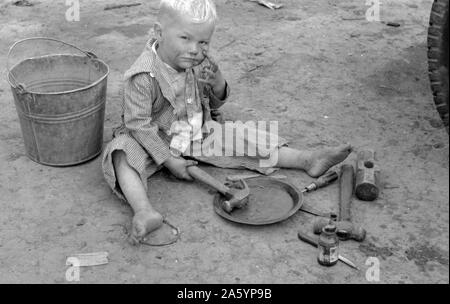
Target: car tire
438,57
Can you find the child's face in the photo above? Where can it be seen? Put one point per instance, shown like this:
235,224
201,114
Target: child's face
181,43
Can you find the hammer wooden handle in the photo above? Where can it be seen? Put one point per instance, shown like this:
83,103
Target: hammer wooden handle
345,192
235,178
207,179
305,237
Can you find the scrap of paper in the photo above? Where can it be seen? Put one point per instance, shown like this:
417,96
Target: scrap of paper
88,259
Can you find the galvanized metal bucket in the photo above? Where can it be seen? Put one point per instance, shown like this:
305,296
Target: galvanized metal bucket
60,100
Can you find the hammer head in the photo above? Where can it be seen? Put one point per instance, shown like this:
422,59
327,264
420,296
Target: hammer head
237,197
345,229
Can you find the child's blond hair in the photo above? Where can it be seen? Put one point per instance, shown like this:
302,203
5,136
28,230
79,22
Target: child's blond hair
198,11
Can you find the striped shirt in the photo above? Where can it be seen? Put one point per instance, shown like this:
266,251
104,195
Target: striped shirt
150,105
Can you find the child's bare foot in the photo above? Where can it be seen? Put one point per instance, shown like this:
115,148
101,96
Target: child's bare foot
325,159
144,222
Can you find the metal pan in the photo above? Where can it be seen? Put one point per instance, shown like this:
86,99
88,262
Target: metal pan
271,201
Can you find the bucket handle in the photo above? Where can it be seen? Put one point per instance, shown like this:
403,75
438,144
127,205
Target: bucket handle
20,86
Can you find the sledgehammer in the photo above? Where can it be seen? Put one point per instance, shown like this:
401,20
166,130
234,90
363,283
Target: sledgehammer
345,229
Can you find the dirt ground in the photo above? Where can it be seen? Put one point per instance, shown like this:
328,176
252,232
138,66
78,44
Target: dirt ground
322,71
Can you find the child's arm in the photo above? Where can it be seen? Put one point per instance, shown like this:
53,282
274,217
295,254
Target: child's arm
139,95
212,76
178,165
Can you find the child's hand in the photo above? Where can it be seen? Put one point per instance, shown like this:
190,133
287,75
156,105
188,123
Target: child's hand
177,165
213,76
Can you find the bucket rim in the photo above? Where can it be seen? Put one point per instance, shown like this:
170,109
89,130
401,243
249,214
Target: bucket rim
61,92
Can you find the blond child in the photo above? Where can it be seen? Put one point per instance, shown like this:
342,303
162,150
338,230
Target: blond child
169,93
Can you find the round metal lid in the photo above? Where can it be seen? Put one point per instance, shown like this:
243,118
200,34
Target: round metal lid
271,201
